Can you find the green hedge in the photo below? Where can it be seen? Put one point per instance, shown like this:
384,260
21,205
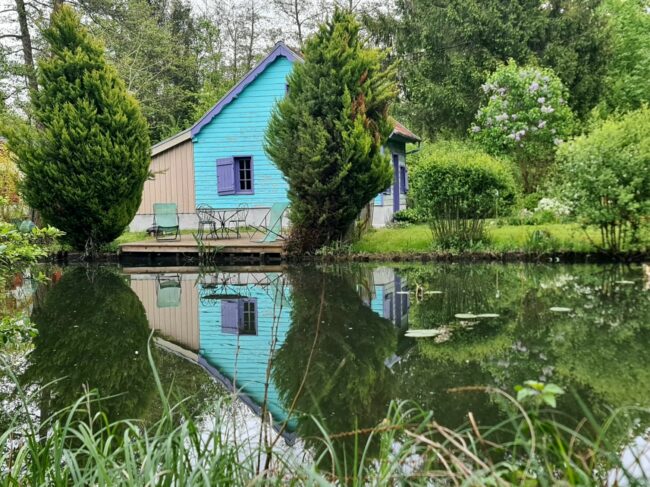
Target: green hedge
450,174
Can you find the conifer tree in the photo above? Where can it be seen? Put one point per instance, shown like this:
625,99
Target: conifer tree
326,134
86,159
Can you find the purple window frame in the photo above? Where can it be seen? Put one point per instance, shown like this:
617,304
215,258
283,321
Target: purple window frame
403,188
236,169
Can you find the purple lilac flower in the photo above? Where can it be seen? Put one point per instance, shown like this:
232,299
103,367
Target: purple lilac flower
541,100
501,118
534,86
547,109
476,128
541,124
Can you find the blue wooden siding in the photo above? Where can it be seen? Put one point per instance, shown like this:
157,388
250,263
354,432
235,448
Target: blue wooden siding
239,131
244,358
393,147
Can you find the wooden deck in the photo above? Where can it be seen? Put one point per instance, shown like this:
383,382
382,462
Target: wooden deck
187,245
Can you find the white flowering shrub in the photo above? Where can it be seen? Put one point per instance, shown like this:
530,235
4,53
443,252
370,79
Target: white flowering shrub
526,116
554,206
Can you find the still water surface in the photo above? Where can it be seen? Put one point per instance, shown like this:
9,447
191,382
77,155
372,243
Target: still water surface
331,342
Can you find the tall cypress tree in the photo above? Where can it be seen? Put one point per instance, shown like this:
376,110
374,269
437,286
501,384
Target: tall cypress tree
326,134
87,158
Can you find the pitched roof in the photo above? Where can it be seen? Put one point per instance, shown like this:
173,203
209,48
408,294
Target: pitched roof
402,132
280,49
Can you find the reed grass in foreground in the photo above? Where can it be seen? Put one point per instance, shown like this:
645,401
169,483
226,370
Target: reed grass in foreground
532,447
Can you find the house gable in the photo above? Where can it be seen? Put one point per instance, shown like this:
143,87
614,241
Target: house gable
238,132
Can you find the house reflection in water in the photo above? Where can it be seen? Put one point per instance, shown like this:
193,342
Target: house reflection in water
232,323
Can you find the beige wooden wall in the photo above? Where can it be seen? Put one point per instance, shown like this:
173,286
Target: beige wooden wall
174,180
179,325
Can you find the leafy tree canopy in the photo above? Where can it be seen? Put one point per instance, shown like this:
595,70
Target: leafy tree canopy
447,47
627,83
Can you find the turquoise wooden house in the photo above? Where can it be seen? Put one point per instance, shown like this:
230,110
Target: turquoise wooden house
220,161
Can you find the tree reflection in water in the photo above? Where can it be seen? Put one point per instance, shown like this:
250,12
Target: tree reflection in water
331,364
92,334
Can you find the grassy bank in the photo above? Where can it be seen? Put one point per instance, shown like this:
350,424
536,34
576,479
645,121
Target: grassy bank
408,447
568,237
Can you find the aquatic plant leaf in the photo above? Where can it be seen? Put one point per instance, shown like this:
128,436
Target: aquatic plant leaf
549,399
465,316
559,309
488,315
415,333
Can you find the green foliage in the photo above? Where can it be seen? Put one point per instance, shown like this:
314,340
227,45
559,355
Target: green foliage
154,47
86,161
447,47
605,176
8,178
627,83
19,248
409,215
539,393
525,116
326,134
455,187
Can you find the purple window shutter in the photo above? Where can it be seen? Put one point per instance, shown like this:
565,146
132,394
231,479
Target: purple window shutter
402,180
230,317
226,176
388,306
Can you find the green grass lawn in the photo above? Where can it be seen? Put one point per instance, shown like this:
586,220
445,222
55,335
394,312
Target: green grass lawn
417,238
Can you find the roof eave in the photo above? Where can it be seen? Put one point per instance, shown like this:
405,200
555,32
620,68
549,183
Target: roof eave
398,137
171,142
280,50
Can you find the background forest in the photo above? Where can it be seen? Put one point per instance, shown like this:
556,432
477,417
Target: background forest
178,57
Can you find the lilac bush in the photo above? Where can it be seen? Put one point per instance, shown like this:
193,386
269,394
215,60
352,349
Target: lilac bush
525,116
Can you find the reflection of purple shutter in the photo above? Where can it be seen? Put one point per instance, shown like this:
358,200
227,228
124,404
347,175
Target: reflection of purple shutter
230,317
388,306
226,176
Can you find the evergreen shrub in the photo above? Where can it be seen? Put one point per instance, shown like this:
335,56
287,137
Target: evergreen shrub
455,187
87,157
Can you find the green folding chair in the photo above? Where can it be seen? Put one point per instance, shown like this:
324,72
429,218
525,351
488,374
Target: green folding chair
271,224
169,291
165,221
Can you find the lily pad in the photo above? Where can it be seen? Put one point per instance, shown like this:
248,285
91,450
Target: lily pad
465,316
416,333
626,283
559,309
432,292
488,315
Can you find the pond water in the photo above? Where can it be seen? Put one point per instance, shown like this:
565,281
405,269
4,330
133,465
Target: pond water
332,342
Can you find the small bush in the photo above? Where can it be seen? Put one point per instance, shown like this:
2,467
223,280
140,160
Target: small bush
455,187
605,176
409,215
